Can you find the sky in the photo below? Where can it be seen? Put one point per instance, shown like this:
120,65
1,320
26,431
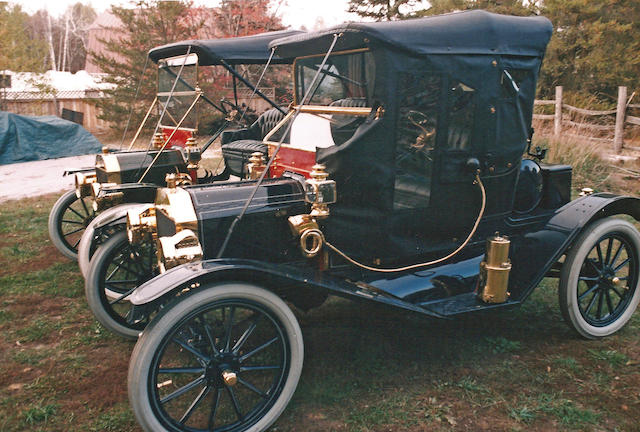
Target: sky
295,13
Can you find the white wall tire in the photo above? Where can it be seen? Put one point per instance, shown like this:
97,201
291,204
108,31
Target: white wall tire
68,219
159,340
88,244
599,279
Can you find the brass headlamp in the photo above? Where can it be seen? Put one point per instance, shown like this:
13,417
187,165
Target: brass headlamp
104,198
141,224
83,183
320,192
173,204
181,248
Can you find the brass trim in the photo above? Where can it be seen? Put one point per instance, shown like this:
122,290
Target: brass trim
494,271
311,242
586,191
186,129
146,117
83,184
293,66
311,238
111,167
256,165
177,205
268,136
321,109
193,104
141,224
181,248
230,378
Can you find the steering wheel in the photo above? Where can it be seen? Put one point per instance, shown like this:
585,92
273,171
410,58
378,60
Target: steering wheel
425,140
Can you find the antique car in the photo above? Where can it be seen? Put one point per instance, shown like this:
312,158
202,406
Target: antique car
132,176
426,196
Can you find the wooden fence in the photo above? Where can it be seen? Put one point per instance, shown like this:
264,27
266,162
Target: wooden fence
607,126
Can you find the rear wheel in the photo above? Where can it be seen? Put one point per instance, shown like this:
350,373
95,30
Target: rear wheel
226,357
599,280
116,270
68,219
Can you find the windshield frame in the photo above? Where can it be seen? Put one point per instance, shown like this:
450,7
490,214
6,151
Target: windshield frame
295,64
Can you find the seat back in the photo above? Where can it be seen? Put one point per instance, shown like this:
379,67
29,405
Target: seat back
267,121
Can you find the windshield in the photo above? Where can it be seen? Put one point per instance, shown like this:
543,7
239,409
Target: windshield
345,80
183,94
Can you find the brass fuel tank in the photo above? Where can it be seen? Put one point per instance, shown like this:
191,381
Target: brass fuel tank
494,271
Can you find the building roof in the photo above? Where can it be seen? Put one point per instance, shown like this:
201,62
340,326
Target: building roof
62,85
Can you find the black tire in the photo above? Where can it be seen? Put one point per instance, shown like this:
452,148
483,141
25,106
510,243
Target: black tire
116,269
599,279
68,219
226,328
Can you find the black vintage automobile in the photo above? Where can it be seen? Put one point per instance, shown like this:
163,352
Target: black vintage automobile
421,200
173,148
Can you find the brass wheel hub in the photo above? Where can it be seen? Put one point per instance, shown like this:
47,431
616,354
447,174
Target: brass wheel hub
229,377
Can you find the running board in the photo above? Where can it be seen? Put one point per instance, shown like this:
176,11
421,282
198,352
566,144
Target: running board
462,304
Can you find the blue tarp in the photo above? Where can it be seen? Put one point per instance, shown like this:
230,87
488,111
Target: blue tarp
29,138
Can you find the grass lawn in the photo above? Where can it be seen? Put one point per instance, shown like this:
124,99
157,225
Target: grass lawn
366,368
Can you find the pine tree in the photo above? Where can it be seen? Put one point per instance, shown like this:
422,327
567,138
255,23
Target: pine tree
20,48
151,23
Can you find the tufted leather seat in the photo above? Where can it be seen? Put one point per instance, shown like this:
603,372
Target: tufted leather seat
257,131
350,102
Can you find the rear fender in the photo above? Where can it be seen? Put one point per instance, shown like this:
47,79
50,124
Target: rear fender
295,284
538,251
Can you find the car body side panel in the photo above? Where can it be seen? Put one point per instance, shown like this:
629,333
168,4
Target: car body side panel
271,275
533,255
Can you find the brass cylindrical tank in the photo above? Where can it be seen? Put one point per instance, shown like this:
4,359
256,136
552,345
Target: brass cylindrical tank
494,271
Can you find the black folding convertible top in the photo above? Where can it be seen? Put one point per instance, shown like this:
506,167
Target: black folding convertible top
470,32
238,50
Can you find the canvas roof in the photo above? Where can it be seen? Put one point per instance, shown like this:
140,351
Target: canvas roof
238,50
469,32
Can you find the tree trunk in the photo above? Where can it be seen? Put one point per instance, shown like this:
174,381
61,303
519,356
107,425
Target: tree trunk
65,46
52,52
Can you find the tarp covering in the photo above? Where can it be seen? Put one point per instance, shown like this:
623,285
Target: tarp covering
470,32
238,50
29,138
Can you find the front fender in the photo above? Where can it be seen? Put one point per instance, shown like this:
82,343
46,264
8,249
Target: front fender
269,275
114,215
538,251
94,232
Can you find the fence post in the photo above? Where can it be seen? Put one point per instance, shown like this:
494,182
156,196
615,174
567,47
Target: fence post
621,112
557,122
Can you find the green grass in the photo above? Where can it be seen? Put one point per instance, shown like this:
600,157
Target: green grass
611,357
40,413
366,368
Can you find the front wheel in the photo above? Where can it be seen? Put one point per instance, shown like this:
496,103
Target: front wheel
225,357
68,219
116,269
599,279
